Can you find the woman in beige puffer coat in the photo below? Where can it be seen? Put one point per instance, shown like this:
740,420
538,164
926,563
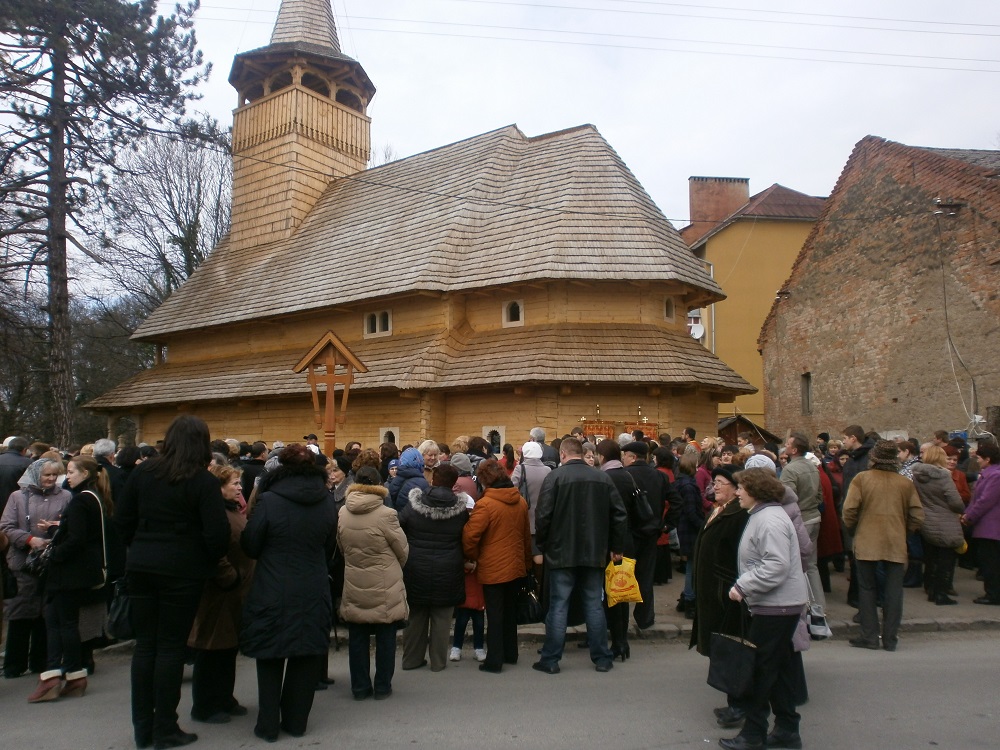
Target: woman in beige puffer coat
374,599
942,531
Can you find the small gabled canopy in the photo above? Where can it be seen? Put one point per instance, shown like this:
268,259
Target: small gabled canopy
316,354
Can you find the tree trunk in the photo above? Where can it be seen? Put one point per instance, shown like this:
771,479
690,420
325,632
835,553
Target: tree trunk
60,340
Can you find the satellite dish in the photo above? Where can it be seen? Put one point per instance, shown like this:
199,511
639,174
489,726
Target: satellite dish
697,331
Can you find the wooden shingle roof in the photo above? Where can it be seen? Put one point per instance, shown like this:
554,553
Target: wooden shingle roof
618,354
494,209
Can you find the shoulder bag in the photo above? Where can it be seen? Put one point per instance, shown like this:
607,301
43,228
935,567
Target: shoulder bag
731,661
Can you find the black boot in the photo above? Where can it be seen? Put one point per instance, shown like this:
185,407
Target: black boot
914,576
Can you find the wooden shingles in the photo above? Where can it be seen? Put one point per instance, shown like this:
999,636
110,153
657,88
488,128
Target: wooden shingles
445,360
493,209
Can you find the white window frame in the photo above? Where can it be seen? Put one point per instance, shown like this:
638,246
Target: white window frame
502,429
393,430
505,312
378,324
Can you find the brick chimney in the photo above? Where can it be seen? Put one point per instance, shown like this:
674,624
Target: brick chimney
712,200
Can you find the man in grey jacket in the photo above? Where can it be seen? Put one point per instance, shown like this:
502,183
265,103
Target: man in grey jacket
802,476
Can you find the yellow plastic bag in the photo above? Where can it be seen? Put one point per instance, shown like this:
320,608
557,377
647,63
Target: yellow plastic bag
620,584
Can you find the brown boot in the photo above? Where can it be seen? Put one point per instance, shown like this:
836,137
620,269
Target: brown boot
49,685
76,684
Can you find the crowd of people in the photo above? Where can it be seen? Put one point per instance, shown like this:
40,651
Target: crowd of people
230,548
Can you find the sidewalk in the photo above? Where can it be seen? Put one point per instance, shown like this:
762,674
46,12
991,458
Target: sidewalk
919,615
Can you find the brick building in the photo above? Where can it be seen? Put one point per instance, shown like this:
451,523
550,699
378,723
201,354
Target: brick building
891,315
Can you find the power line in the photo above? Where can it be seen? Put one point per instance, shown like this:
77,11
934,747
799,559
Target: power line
640,48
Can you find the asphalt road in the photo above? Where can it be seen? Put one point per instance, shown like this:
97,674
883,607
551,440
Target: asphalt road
937,690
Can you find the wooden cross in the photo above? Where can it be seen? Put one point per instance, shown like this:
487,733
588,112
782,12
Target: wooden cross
330,353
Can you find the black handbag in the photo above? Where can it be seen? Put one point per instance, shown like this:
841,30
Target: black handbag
120,613
731,663
529,606
37,562
645,522
9,579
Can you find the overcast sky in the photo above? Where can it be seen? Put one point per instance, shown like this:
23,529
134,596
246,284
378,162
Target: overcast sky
771,90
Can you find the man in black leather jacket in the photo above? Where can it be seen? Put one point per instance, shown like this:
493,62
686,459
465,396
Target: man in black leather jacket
579,518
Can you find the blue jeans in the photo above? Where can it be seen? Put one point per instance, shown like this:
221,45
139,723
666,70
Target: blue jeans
590,582
689,592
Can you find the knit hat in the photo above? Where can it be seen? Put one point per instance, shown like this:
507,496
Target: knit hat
411,459
884,456
637,447
531,450
393,464
462,463
760,461
344,464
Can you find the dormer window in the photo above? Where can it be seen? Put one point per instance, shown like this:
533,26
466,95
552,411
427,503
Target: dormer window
378,323
513,313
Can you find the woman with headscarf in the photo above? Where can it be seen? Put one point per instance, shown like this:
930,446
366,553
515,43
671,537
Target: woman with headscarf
409,474
528,477
29,520
374,602
77,573
288,613
497,539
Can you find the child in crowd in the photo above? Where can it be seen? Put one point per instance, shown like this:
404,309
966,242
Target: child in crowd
473,608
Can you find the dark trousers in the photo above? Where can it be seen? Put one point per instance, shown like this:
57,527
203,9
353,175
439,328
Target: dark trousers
662,572
26,647
163,610
645,569
462,618
988,555
892,601
212,682
939,564
359,656
285,691
774,678
501,623
62,625
617,617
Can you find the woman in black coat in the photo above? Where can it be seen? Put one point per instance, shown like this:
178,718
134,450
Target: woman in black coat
288,615
689,523
715,566
434,573
76,576
173,520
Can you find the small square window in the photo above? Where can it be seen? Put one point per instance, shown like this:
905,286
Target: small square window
378,324
513,313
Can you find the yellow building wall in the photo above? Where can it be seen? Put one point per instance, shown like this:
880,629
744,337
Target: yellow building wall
751,260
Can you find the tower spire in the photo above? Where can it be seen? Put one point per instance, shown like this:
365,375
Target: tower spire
301,101
306,22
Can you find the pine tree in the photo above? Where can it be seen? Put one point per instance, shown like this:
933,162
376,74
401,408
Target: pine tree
80,81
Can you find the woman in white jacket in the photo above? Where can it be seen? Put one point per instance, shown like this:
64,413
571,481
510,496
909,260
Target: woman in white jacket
773,585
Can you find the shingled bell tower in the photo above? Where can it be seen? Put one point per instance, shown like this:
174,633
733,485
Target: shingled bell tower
300,122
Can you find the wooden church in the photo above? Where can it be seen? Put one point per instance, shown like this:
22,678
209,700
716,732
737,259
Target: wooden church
480,288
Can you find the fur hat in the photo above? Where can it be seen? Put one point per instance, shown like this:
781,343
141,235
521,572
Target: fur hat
637,447
885,456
